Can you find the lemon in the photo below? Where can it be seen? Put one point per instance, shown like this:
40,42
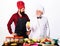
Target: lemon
28,24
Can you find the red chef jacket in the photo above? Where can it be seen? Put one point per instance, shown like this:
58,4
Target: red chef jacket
14,19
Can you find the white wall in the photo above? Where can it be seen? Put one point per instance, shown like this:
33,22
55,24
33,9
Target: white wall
52,12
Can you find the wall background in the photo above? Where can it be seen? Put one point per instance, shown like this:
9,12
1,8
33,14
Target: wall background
52,12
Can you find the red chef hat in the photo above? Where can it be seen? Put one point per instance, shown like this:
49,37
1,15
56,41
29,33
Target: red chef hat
20,4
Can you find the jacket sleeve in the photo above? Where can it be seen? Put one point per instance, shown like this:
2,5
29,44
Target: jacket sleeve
47,29
9,24
27,18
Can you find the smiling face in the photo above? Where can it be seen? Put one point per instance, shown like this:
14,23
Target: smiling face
39,13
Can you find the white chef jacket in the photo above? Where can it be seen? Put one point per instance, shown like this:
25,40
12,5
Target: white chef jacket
39,28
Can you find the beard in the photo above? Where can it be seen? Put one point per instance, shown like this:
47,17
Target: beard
22,13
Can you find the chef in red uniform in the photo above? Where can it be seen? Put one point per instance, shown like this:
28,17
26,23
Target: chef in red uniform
19,19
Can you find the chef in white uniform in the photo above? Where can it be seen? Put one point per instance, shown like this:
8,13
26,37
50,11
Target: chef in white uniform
39,25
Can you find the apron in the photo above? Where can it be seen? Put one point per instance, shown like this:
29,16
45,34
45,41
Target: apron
20,29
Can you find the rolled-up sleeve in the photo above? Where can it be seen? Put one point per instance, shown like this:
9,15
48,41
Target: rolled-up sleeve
9,24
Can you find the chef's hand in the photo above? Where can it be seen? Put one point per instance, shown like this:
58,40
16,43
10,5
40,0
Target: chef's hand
28,32
28,27
14,34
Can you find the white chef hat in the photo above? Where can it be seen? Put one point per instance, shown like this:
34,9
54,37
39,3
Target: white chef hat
41,8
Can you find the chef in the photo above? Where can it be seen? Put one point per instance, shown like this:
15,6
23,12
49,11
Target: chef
19,19
39,25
